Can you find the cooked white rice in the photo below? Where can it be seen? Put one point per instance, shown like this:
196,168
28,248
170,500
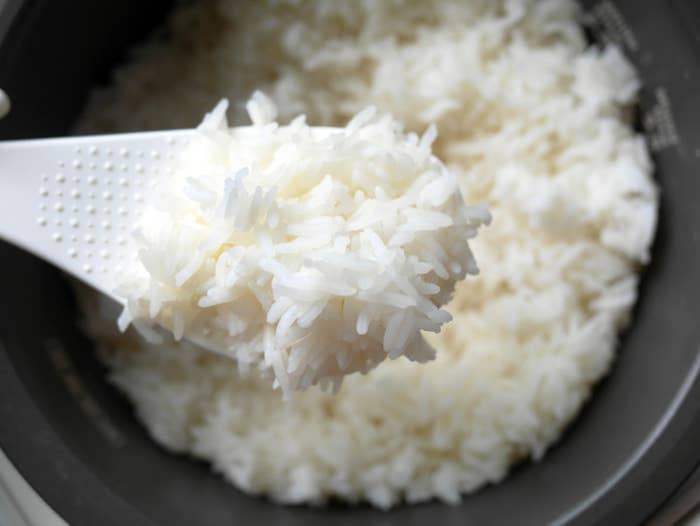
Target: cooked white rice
303,253
532,122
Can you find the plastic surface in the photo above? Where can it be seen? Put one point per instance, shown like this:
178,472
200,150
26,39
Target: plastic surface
19,503
75,439
73,201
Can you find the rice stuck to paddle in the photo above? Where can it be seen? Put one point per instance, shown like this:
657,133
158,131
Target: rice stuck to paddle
305,253
531,120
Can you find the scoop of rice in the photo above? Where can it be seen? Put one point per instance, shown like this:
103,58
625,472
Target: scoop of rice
308,253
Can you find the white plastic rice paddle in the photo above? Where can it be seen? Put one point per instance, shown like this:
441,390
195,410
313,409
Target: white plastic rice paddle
73,201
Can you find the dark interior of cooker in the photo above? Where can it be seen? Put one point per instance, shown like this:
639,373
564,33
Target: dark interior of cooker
75,439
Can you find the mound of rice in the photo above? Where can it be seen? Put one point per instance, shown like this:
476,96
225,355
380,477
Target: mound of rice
305,255
532,121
